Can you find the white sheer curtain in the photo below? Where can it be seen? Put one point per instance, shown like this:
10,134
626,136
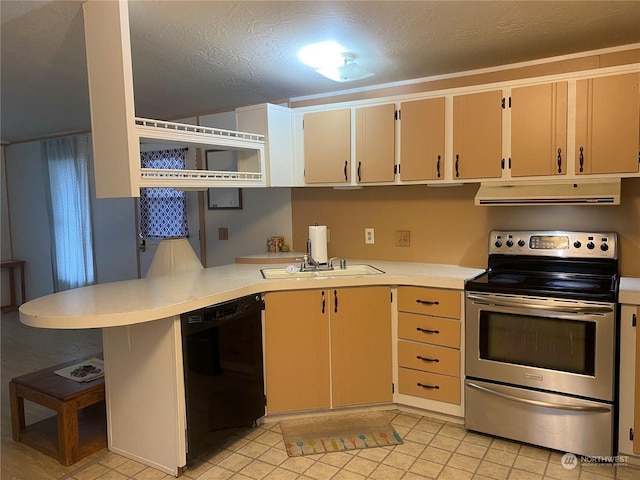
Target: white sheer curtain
67,162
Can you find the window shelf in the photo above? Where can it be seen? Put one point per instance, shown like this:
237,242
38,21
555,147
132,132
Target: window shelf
158,131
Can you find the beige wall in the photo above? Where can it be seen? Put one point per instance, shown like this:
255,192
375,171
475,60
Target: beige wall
445,225
550,67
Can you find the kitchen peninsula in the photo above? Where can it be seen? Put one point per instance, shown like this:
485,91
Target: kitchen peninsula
142,338
144,377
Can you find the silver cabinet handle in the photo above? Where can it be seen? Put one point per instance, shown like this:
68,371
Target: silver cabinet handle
538,403
524,304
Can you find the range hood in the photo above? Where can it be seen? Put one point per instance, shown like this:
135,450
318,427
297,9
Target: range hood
578,192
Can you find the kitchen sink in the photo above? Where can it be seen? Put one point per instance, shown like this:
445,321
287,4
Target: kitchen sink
350,270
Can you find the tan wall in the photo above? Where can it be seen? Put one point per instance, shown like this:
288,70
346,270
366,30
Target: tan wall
551,67
445,225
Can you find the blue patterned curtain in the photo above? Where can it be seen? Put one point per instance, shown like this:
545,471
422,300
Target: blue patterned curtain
163,211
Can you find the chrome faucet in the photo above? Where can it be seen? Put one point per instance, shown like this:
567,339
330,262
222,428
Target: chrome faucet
310,264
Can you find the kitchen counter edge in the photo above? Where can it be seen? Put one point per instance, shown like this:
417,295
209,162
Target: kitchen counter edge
629,292
130,302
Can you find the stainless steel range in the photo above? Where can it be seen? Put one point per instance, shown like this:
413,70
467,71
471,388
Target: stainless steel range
541,341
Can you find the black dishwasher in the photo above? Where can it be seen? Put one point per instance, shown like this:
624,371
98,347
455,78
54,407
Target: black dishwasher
223,373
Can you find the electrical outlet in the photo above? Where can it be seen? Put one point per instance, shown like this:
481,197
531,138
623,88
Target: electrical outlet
369,236
328,235
403,238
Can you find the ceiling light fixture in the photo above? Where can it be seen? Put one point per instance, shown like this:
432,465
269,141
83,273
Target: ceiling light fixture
331,60
347,72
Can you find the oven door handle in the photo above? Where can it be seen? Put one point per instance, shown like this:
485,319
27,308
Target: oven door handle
538,403
524,304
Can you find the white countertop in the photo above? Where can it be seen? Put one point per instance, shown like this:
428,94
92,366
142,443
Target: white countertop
629,292
136,301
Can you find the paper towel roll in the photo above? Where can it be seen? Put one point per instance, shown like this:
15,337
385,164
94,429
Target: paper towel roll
318,237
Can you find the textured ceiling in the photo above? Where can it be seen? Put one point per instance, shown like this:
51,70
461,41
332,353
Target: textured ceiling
201,56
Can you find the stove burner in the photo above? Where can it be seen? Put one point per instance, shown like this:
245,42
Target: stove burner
573,284
506,279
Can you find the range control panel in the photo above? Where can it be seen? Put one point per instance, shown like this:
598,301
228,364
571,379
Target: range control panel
554,244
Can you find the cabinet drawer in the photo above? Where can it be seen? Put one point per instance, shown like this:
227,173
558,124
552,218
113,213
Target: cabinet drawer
423,328
429,358
430,301
429,385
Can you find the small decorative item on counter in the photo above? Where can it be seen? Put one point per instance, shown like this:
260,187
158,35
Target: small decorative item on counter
274,244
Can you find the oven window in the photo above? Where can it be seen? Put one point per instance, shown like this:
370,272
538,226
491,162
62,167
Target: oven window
556,344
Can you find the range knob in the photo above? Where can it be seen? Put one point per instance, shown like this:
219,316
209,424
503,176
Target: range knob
509,243
498,244
604,247
577,244
591,245
521,243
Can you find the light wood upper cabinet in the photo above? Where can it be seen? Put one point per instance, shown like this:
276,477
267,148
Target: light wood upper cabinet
308,368
477,135
375,143
361,346
327,146
539,130
608,124
422,139
297,351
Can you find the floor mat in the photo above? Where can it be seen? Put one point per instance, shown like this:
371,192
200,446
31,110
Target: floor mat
337,433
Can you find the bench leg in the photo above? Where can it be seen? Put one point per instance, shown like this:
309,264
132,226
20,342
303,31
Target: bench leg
17,412
68,435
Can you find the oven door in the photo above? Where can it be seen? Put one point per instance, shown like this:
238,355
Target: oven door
549,344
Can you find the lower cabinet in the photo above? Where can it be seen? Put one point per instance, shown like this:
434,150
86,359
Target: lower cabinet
636,412
429,343
629,404
296,349
327,348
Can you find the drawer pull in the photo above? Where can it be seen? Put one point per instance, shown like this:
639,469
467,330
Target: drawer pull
427,302
424,359
428,387
423,330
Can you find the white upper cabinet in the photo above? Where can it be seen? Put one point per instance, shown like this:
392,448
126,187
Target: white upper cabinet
275,123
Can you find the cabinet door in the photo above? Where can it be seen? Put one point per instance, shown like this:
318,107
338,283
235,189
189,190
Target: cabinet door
636,413
375,143
361,364
422,139
297,350
539,130
607,124
327,146
477,135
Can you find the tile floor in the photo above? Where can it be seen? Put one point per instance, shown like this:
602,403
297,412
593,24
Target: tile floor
432,449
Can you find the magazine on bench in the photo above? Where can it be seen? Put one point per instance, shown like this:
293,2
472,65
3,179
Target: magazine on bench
83,371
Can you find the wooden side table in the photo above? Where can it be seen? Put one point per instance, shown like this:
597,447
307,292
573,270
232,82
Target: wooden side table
80,426
11,265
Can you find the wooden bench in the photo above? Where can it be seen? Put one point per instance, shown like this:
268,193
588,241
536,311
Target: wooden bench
79,428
